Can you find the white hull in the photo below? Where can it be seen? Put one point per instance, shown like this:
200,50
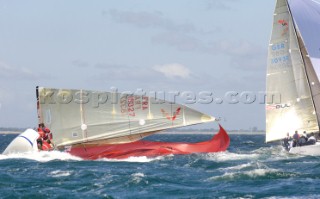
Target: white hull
313,150
25,142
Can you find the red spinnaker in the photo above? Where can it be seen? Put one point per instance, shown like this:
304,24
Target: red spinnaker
218,143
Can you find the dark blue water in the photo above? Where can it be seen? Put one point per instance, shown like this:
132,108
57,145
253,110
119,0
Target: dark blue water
249,169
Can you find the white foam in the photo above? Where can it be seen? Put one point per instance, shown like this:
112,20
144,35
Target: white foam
238,167
137,177
259,172
228,156
59,173
252,174
133,159
271,149
138,174
42,156
45,156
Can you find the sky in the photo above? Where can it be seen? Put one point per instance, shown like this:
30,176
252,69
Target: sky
213,46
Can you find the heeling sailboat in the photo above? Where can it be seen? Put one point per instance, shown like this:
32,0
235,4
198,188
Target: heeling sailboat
93,125
293,86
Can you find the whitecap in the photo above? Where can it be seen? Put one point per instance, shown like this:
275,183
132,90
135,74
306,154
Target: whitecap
228,156
59,173
251,174
237,167
42,156
259,172
137,177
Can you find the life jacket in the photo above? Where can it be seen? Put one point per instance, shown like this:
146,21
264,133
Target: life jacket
48,134
41,133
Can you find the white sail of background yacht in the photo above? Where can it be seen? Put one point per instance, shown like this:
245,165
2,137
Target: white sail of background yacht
293,69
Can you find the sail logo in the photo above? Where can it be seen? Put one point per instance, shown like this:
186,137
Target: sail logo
130,104
285,26
277,106
278,46
278,60
175,114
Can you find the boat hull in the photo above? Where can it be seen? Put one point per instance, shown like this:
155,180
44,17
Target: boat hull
218,143
313,150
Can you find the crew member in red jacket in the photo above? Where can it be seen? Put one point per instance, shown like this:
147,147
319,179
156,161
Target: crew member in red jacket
44,136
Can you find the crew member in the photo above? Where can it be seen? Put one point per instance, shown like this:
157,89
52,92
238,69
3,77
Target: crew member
295,139
303,139
41,136
312,140
286,143
44,136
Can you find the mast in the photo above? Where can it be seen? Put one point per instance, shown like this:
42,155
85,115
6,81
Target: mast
38,106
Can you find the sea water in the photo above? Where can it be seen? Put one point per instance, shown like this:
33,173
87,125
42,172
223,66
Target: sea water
249,169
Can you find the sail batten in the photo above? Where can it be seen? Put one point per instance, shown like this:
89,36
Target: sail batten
288,73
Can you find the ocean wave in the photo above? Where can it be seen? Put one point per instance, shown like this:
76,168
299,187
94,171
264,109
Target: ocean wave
59,173
247,168
42,156
137,177
311,196
248,142
252,174
228,156
237,167
275,153
270,150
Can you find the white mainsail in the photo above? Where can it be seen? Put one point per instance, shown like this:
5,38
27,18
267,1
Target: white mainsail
83,116
290,74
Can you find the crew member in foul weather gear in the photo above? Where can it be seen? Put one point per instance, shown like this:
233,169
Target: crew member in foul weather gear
44,135
41,135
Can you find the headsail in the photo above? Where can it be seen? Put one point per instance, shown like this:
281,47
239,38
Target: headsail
83,116
288,79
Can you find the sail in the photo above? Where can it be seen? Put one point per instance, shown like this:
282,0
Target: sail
287,77
84,116
306,15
